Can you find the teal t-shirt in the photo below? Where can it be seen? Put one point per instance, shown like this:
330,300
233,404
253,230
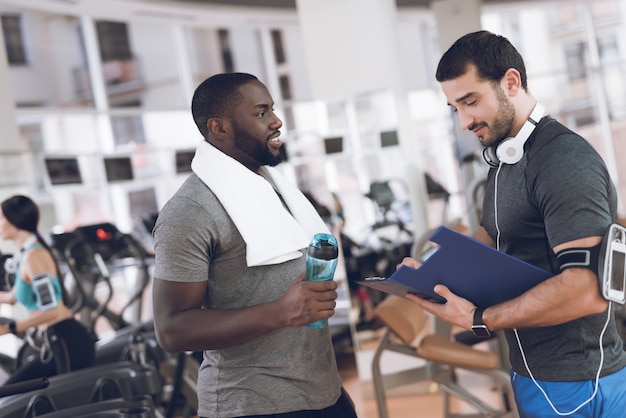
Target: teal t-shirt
24,292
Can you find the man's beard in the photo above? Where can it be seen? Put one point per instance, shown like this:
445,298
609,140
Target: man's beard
259,150
504,118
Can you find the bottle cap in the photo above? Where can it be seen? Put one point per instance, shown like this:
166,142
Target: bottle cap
324,247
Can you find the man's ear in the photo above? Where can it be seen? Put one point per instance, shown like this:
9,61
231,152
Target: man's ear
218,127
512,81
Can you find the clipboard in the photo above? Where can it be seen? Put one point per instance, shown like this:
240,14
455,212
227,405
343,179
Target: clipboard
470,269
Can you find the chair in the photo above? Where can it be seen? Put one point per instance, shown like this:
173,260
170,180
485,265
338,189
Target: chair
407,331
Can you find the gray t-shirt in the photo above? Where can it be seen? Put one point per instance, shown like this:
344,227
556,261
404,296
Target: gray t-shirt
285,370
560,191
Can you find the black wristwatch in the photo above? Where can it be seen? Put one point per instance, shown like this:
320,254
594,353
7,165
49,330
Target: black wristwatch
12,327
478,327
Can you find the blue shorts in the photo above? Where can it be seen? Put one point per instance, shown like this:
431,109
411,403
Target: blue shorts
609,401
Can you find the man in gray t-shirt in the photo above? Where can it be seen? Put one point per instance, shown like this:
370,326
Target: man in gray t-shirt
244,301
548,194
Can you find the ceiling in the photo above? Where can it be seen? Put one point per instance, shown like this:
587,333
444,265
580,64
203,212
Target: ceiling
291,4
204,12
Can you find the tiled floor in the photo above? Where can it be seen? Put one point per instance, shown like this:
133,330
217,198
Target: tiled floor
422,400
400,406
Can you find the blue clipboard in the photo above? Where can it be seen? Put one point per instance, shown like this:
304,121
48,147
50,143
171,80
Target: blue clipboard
470,269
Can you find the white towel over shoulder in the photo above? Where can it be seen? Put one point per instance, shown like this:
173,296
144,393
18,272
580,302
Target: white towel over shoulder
271,233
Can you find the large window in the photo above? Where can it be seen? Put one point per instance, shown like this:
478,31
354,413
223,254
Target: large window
285,87
113,40
127,130
14,39
575,57
227,55
277,43
604,9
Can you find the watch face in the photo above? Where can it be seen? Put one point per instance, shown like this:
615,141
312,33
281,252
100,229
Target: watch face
481,331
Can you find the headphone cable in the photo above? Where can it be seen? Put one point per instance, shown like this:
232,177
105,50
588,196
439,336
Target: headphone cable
597,379
519,343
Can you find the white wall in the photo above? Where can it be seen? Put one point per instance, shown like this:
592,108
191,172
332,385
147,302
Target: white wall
204,53
32,83
297,63
153,45
246,50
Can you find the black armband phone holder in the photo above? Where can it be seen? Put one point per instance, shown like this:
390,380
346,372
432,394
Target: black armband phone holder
612,264
607,260
580,257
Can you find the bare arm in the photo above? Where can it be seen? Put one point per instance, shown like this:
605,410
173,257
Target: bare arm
7,297
569,295
183,325
37,261
36,318
482,236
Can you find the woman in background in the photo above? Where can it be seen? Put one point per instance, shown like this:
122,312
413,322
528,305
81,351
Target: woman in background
67,345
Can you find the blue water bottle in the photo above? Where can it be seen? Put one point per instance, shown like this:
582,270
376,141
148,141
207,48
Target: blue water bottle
321,261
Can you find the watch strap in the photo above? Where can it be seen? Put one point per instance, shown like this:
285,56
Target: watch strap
478,326
478,316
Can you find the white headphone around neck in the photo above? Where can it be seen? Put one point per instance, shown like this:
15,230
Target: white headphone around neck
511,150
11,264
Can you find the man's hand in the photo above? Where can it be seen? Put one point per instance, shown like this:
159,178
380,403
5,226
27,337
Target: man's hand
409,262
456,311
305,302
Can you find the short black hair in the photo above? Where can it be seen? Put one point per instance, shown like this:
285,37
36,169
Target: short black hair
216,96
491,54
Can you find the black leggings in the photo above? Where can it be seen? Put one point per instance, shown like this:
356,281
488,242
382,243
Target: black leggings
343,408
71,348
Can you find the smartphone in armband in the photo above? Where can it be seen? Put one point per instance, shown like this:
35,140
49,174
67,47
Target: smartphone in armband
44,291
613,264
